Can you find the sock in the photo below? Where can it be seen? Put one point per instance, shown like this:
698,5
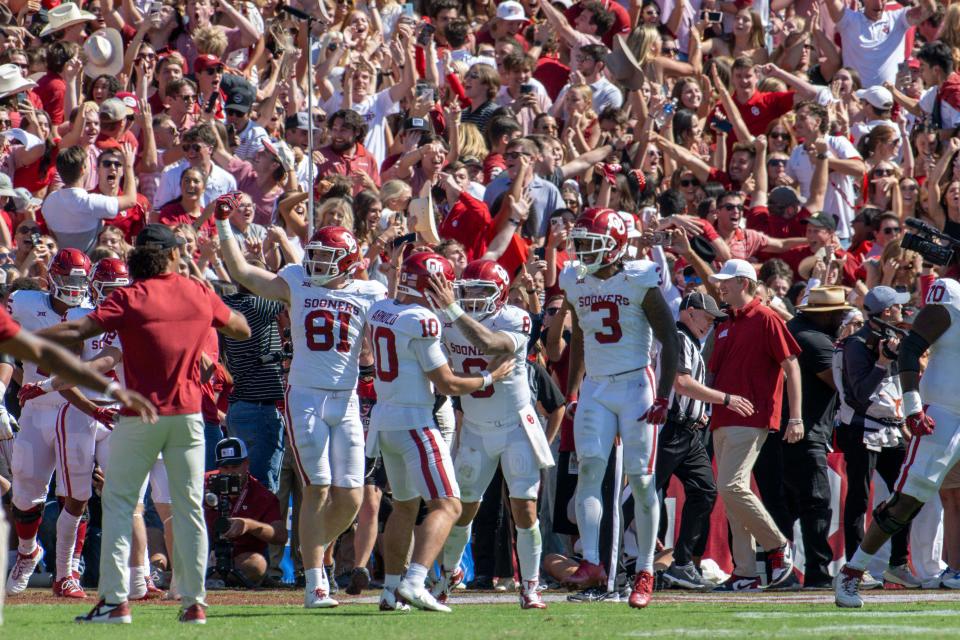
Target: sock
454,546
529,548
27,534
416,575
67,525
589,506
138,583
646,513
78,548
391,581
860,560
316,578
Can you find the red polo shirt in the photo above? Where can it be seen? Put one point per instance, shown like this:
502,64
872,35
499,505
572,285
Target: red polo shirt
167,317
344,165
467,223
747,352
255,503
759,111
8,326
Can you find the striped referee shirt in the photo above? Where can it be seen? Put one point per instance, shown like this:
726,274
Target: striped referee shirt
683,408
254,381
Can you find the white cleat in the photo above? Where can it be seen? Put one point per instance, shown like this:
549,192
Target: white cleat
449,580
846,589
318,599
950,579
420,598
869,582
21,571
390,602
901,576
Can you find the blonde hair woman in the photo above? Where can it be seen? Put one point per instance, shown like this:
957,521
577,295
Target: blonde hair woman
646,44
472,143
748,39
335,212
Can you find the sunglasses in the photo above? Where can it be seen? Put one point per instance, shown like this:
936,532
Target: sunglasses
212,71
777,162
732,207
191,147
688,182
111,164
889,231
883,173
514,155
189,99
28,230
669,51
779,136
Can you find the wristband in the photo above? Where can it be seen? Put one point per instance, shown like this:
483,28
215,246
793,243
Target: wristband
726,399
453,311
487,379
223,229
111,389
795,421
912,403
46,385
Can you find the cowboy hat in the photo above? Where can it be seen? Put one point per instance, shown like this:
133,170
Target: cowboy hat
12,81
623,64
63,16
103,53
426,226
822,299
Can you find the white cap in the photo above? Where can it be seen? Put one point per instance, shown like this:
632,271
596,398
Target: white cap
879,97
511,10
735,268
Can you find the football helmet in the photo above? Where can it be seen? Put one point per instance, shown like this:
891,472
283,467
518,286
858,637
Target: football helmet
483,288
416,270
332,252
599,238
108,274
69,276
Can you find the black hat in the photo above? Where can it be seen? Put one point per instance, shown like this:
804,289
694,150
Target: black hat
241,98
299,120
823,220
702,247
417,124
230,452
784,197
158,236
702,301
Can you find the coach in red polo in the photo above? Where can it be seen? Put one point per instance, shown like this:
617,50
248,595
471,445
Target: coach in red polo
752,352
162,320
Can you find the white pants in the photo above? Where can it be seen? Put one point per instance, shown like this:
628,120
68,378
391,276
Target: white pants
37,451
326,436
478,456
418,464
930,458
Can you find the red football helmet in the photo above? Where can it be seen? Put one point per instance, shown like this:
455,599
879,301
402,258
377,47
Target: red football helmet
416,270
483,287
69,276
331,252
599,238
108,274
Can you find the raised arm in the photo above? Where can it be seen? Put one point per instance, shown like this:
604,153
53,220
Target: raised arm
259,281
835,9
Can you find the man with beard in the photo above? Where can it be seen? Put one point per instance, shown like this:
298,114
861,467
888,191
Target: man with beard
346,155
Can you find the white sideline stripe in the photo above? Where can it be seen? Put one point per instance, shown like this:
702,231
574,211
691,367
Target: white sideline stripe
823,631
760,615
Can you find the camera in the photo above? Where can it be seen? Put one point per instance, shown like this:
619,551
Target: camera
882,332
221,491
935,246
272,357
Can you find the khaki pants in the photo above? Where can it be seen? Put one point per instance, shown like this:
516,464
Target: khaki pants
134,447
736,450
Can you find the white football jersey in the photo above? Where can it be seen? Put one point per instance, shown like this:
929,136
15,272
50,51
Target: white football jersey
93,348
326,326
504,400
616,334
406,344
938,384
32,309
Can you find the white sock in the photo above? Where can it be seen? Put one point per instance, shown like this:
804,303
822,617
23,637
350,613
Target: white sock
416,575
316,578
646,513
860,560
391,581
75,564
27,546
67,525
529,548
138,583
454,546
589,506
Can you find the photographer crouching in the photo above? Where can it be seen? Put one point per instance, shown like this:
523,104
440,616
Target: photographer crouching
242,516
871,422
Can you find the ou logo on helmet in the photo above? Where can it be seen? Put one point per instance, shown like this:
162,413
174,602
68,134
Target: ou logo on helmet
501,272
433,265
615,223
350,242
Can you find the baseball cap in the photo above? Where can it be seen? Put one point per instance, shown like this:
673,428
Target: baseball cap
416,124
702,301
784,197
241,98
27,139
881,298
735,268
299,120
158,236
281,152
823,220
512,11
130,100
6,186
113,110
230,451
879,97
206,61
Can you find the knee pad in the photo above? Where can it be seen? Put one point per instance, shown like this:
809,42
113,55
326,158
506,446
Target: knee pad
644,491
28,516
592,470
887,522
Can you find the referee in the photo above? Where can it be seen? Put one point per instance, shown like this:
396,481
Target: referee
162,320
680,449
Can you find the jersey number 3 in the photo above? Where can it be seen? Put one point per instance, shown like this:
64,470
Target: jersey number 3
319,327
611,322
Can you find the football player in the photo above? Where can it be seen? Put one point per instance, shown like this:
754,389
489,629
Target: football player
617,309
500,426
931,405
328,311
409,365
42,444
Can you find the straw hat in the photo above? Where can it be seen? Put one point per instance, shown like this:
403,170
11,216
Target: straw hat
422,210
104,53
623,64
823,299
63,16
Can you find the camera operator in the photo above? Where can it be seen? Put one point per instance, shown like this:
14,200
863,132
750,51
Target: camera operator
254,514
871,422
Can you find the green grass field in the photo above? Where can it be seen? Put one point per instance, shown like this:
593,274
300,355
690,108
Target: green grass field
675,618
